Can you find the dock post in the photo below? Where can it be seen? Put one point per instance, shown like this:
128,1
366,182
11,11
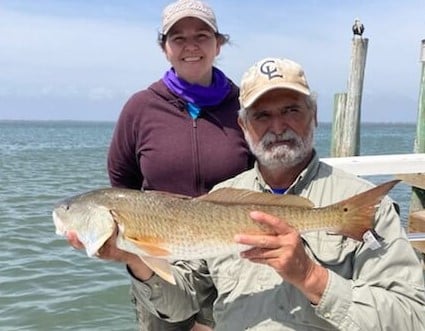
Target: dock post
337,148
346,120
418,195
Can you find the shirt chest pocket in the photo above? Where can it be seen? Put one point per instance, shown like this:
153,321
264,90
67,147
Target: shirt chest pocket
332,251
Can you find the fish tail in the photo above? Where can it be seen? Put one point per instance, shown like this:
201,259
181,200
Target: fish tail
358,211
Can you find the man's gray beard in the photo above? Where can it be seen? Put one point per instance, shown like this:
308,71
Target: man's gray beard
282,155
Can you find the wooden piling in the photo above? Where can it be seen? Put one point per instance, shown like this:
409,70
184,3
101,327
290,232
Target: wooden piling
337,147
420,128
346,121
418,195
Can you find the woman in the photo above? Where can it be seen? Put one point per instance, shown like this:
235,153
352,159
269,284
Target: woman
181,134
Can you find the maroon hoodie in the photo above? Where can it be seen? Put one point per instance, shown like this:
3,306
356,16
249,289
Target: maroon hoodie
157,145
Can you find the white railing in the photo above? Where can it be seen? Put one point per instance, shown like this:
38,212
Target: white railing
372,165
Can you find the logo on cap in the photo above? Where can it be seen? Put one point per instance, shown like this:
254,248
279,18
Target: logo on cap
269,68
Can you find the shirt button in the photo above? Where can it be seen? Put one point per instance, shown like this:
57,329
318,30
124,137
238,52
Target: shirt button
327,315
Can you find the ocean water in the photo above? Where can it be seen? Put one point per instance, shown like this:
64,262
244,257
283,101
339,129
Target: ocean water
47,285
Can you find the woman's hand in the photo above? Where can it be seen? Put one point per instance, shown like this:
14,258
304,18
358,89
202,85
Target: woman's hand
110,251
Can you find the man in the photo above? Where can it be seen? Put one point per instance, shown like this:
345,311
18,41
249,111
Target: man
288,280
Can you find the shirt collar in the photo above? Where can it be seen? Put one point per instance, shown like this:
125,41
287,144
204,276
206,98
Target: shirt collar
302,180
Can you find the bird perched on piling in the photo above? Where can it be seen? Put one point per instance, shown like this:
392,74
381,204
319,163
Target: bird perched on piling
358,28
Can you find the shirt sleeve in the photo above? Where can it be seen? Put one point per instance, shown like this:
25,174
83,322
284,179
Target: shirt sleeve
193,294
387,289
122,162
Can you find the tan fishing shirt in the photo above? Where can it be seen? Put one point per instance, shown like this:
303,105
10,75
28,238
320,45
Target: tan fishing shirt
380,289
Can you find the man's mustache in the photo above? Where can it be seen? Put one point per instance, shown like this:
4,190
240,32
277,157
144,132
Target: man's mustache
272,138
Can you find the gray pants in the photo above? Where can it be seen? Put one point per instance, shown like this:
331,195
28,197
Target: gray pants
150,322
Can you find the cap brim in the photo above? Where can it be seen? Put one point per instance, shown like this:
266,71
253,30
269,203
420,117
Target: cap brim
286,86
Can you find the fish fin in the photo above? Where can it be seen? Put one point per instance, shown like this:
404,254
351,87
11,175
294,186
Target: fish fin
231,196
415,180
359,210
169,194
161,267
149,246
417,224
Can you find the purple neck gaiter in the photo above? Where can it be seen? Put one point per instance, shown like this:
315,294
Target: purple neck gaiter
198,94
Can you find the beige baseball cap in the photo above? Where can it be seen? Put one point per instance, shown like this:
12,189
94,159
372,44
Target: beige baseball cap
269,74
187,8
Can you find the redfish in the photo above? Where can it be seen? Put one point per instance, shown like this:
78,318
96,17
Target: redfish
161,227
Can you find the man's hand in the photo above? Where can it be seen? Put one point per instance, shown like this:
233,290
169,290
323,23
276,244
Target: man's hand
284,251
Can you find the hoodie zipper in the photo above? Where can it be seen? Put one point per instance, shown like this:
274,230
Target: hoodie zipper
195,151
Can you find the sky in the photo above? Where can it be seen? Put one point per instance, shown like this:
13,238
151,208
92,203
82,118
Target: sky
82,59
